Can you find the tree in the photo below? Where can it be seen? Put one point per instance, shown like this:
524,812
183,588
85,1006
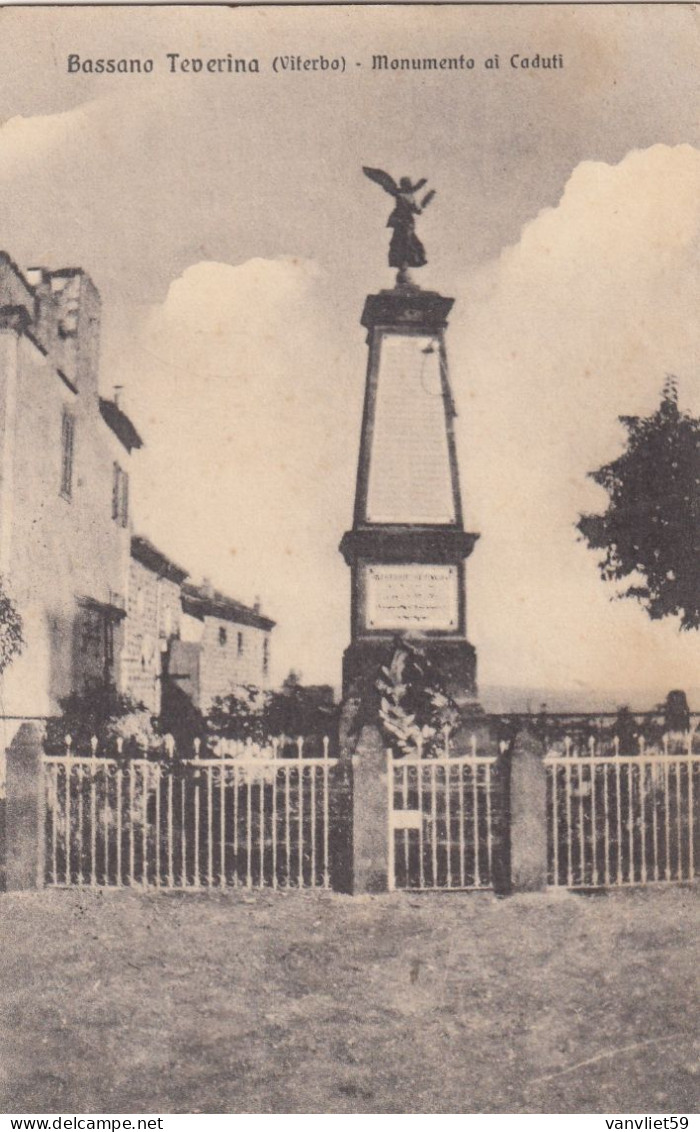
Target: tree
299,709
239,715
650,531
11,637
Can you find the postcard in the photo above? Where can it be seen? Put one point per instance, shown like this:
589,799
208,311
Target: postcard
349,583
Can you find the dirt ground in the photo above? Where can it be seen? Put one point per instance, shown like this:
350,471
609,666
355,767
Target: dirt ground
126,1002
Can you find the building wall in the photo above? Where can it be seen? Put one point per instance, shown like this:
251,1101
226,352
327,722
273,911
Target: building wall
232,655
152,621
55,550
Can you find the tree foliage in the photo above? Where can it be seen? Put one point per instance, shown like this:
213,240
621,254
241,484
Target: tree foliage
650,532
240,715
11,636
109,715
299,709
252,714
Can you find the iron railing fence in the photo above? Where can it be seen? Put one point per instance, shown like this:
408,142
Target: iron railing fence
621,820
189,823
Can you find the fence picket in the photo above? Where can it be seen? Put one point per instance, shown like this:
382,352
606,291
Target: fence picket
119,825
460,779
249,834
183,837
679,836
210,826
489,826
222,825
474,768
145,786
54,824
313,825
261,831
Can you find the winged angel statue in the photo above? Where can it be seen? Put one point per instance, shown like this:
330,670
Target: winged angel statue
405,249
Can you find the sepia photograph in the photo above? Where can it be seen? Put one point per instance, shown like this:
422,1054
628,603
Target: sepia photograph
349,560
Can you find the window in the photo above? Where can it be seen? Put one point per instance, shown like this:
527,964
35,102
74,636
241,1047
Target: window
239,644
109,644
266,655
222,635
67,452
95,652
120,496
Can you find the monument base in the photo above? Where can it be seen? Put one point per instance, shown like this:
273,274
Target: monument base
453,661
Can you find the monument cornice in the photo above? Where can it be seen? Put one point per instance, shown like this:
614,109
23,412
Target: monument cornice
398,543
407,308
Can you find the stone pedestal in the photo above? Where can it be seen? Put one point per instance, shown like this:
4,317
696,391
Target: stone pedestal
25,811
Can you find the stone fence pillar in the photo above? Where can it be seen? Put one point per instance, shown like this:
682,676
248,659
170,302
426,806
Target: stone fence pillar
522,864
369,805
25,811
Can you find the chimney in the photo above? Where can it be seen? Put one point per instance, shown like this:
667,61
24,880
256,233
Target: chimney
207,588
118,392
256,605
35,276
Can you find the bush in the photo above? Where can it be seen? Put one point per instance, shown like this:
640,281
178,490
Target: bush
110,716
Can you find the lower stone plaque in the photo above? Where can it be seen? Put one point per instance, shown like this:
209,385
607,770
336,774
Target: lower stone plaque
412,596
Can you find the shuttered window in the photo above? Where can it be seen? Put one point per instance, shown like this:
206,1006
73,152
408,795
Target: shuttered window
120,495
67,453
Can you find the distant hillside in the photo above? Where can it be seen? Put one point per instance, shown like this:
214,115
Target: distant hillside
503,698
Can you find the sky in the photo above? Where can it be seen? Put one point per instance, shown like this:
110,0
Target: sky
227,225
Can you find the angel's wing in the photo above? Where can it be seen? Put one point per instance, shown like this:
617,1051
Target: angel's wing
388,183
427,198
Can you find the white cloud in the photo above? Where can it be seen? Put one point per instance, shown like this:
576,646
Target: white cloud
27,142
248,468
577,324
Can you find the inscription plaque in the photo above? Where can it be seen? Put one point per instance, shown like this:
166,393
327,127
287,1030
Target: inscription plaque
410,479
412,597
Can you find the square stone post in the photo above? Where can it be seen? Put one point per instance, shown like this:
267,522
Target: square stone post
522,863
25,810
364,749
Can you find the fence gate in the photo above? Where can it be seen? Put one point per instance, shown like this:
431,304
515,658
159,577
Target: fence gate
441,822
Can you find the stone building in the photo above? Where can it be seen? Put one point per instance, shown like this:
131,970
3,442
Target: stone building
65,453
184,645
98,607
154,613
232,644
